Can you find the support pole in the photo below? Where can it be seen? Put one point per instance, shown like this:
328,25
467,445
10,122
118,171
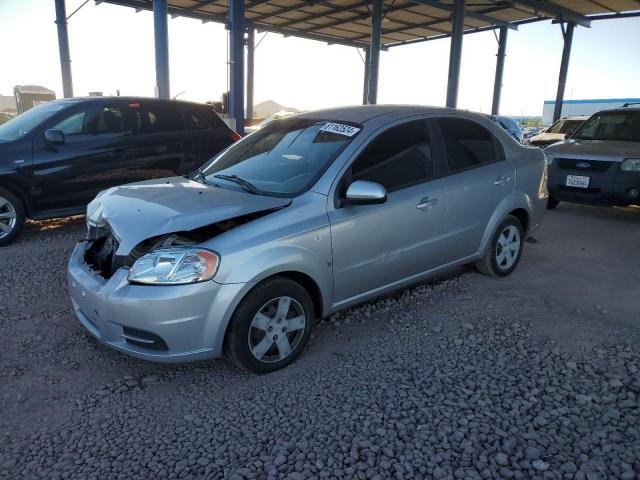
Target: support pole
497,83
63,46
236,61
251,48
365,87
455,54
161,37
374,52
564,69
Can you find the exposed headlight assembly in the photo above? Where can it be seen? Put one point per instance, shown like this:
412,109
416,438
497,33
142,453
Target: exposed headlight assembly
175,266
630,165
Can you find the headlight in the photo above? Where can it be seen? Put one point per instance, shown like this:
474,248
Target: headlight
175,266
630,165
549,157
94,214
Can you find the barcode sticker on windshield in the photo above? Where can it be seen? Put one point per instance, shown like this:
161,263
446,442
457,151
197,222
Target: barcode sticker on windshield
340,129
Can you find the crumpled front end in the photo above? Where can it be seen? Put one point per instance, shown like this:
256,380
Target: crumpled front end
159,323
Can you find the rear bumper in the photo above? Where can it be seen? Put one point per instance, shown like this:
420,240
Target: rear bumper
158,323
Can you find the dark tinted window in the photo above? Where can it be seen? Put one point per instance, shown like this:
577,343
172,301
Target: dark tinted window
92,121
399,157
468,144
196,122
159,118
621,125
74,124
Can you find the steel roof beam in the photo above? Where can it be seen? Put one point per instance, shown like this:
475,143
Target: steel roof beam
551,9
468,13
316,15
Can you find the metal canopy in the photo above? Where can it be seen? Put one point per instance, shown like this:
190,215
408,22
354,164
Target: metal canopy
348,22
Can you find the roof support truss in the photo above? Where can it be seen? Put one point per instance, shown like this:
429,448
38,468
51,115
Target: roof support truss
551,9
469,13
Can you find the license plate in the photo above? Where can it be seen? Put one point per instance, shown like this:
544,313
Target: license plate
577,181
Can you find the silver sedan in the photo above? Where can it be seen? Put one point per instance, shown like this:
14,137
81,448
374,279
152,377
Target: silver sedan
307,216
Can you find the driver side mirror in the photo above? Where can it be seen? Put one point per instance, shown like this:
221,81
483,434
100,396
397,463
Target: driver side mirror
362,192
54,137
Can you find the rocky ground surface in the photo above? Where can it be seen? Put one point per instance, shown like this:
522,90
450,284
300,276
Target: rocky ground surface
466,378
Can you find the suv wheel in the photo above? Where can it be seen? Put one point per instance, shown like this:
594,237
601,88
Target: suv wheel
12,217
271,326
504,250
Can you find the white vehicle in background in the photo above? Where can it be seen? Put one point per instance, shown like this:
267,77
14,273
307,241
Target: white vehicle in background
266,121
558,131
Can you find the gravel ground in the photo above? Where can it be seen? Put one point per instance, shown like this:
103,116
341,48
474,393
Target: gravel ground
466,377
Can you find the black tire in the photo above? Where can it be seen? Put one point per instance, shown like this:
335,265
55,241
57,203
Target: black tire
488,264
552,203
15,206
238,334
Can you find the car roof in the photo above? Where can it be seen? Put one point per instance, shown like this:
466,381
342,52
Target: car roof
96,99
365,113
575,117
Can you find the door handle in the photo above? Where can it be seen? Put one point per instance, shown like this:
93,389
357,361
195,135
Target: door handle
426,203
502,180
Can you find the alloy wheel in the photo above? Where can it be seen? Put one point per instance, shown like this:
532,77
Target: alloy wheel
8,217
508,247
276,329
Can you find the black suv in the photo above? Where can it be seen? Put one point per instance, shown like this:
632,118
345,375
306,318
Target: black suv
57,156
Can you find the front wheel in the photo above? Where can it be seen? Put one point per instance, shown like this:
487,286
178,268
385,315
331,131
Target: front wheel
271,326
504,250
12,217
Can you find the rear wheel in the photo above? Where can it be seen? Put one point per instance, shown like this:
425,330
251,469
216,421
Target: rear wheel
552,203
504,250
12,216
271,326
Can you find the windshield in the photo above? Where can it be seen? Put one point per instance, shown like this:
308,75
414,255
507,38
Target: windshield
19,126
565,126
284,157
622,126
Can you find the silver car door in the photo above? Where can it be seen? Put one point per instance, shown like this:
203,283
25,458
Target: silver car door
479,178
377,245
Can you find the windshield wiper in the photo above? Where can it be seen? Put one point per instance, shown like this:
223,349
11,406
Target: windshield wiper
248,186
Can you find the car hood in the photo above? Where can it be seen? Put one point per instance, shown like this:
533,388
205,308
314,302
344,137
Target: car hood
547,138
608,150
138,211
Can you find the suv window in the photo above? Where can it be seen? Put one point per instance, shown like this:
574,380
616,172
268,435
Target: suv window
108,120
93,121
397,158
617,125
74,124
468,144
196,122
158,118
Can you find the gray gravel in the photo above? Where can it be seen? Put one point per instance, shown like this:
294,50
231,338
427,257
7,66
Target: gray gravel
463,378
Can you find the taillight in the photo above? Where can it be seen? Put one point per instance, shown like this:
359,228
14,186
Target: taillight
235,137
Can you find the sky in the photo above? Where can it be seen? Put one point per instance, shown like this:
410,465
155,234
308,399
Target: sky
112,49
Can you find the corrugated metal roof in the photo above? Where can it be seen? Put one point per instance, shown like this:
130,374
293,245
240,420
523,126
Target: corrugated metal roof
404,21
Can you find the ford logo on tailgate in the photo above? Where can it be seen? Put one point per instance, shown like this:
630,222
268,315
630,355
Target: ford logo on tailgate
583,164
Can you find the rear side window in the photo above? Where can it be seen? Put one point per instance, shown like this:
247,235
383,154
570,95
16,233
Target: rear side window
195,121
468,144
397,158
158,118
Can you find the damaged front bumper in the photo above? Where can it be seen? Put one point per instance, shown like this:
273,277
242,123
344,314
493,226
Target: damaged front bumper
160,323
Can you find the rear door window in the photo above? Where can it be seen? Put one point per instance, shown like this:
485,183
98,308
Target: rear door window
158,118
195,121
467,143
397,158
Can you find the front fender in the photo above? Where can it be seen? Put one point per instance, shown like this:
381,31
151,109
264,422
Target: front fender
287,258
